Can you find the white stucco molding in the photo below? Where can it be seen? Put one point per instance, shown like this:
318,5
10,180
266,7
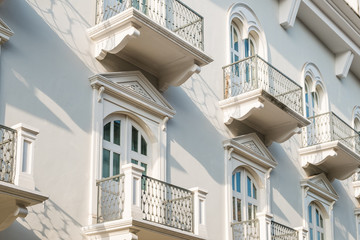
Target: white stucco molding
248,23
249,152
5,32
311,73
134,87
25,135
343,62
288,10
355,117
318,189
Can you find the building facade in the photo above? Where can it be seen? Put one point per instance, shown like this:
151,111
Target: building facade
168,119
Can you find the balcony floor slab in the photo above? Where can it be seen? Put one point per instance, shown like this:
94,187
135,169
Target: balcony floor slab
264,113
334,158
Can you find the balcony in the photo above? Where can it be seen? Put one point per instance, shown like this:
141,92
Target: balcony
331,146
147,207
250,230
262,97
162,37
14,199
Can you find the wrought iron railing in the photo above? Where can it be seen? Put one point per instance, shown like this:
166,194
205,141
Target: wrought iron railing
171,14
282,232
167,204
110,198
246,230
255,73
7,154
329,127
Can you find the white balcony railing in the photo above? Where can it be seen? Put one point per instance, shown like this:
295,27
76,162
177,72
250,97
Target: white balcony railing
7,154
255,73
161,202
282,232
246,230
171,14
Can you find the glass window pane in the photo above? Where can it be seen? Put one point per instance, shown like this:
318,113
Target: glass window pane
321,221
318,235
233,182
238,209
238,186
234,209
134,139
250,211
107,131
117,133
310,213
134,161
254,192
144,165
143,146
255,211
311,234
322,236
248,186
106,164
317,218
116,164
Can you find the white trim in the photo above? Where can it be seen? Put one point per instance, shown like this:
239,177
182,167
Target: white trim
25,133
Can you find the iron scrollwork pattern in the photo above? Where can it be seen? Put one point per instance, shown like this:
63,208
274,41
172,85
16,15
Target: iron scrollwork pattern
329,127
171,14
167,204
7,154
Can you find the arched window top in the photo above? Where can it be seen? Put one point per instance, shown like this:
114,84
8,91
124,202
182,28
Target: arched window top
316,99
244,18
356,118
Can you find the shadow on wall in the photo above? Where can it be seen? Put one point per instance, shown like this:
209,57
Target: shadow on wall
287,198
344,218
44,221
194,132
46,78
70,22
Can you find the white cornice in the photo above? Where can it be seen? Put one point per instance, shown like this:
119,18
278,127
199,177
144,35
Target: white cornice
328,193
263,158
157,105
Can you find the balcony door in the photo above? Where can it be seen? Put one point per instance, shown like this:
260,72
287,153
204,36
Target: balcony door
123,137
242,73
245,196
312,105
316,223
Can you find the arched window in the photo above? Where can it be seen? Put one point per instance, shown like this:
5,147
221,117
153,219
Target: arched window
316,223
117,144
312,101
235,43
245,196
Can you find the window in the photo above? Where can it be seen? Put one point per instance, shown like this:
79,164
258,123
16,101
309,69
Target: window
245,202
316,223
311,101
115,147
